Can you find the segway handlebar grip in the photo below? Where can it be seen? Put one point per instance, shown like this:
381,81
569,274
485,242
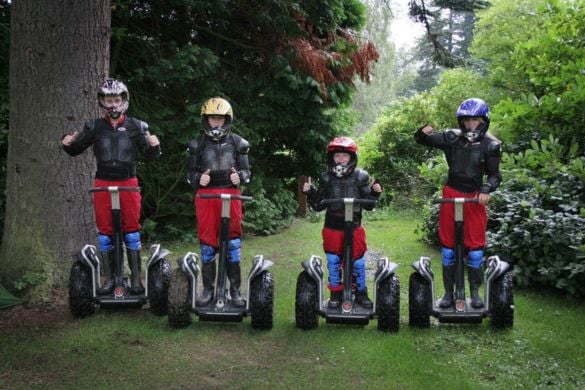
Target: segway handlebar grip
325,202
219,196
455,200
114,188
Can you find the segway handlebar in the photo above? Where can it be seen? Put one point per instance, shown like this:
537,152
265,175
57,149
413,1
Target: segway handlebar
348,200
114,188
455,200
221,196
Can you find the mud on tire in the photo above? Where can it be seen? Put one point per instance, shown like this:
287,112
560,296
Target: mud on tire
159,279
306,301
262,300
81,303
388,304
179,300
419,301
502,302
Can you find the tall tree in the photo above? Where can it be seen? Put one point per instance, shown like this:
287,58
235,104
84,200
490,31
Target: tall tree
59,52
449,33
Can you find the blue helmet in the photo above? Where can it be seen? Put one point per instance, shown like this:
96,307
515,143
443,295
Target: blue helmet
474,108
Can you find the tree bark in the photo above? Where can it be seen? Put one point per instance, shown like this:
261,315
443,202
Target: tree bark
59,54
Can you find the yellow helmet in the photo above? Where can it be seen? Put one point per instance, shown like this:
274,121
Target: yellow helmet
216,106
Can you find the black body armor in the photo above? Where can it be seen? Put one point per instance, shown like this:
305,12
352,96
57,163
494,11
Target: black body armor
219,157
468,162
115,149
355,185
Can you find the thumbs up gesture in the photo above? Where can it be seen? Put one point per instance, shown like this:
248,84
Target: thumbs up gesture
151,139
234,177
205,178
307,185
69,138
376,187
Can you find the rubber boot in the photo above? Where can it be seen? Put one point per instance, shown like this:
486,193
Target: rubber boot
107,259
208,271
362,299
335,299
448,283
475,277
134,261
234,275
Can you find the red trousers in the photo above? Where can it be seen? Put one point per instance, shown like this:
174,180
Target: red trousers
208,214
474,221
130,202
333,241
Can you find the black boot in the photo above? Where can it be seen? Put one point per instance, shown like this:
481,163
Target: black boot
134,261
235,281
208,271
475,276
362,299
448,283
335,299
107,260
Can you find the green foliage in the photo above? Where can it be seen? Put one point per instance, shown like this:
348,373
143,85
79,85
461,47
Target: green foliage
535,60
268,215
29,279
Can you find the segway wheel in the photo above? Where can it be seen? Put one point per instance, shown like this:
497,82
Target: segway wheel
306,302
262,300
388,304
179,302
419,301
502,302
159,278
81,303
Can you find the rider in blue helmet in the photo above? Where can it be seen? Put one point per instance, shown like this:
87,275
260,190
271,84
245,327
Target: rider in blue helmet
473,156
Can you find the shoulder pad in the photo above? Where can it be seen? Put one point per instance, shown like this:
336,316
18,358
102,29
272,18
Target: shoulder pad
194,145
452,135
494,148
242,146
362,176
142,127
324,179
89,125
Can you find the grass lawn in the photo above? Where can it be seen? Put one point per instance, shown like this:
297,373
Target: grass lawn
134,349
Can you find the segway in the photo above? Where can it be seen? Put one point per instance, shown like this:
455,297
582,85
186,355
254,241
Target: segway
499,300
84,278
310,302
182,301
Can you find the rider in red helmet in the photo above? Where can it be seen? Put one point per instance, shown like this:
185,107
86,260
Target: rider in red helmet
343,180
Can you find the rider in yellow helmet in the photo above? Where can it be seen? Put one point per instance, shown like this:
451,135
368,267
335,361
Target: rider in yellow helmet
218,163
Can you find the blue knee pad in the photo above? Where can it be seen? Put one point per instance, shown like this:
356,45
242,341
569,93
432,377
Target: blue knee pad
475,258
105,242
448,256
359,273
207,253
132,241
334,268
234,250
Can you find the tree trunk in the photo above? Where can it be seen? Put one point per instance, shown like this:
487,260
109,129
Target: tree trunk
59,54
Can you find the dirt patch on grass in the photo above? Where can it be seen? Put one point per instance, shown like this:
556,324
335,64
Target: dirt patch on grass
53,314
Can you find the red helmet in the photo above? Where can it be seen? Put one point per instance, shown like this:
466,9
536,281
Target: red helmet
342,145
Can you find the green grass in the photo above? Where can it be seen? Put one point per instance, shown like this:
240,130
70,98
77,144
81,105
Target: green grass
138,350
